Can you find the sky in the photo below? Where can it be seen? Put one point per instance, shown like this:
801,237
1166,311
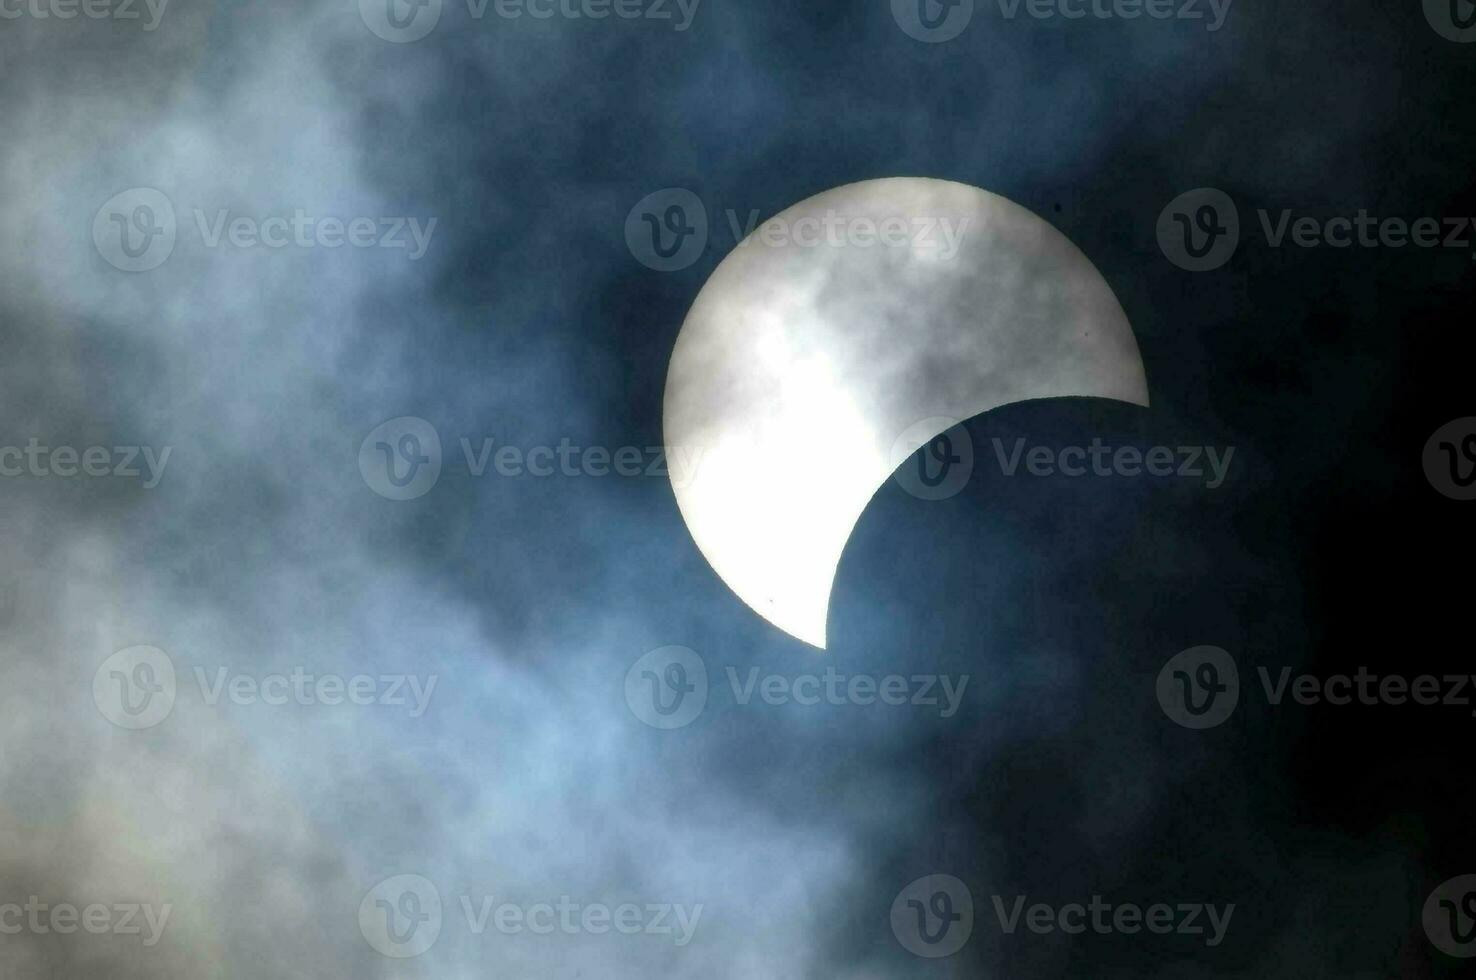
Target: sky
248,689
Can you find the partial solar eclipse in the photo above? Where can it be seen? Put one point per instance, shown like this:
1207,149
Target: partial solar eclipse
837,327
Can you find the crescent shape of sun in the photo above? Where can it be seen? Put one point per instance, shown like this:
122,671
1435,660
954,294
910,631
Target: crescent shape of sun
837,327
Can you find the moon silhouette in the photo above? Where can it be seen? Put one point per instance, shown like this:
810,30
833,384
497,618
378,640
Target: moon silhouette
837,327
